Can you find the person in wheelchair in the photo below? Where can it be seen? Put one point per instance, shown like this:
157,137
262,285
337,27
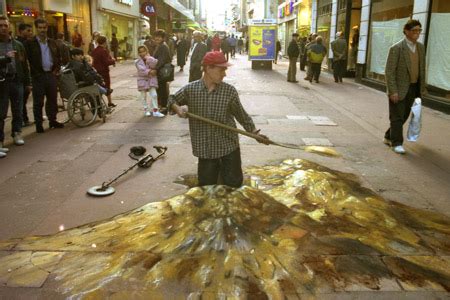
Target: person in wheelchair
85,74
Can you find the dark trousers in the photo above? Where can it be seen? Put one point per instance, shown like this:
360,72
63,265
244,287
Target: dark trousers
45,85
228,167
302,62
11,91
195,74
233,51
398,115
26,94
292,71
339,67
315,71
163,93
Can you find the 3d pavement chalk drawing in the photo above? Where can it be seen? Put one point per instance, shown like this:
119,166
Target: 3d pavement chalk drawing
305,230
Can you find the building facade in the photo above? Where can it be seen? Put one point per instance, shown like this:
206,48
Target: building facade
371,27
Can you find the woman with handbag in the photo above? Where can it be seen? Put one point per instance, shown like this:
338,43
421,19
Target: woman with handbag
162,54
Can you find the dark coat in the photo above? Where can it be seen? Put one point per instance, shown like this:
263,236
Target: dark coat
33,50
293,50
23,72
197,55
162,54
182,51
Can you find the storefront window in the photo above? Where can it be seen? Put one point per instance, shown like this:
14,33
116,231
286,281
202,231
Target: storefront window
80,22
324,20
386,28
123,27
304,18
21,11
438,54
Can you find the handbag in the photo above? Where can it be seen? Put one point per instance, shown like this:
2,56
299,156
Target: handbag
167,73
416,121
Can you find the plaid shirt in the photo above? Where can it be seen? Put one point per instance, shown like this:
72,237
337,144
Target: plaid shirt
221,105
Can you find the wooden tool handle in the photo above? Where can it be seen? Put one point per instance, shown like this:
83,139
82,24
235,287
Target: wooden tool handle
237,130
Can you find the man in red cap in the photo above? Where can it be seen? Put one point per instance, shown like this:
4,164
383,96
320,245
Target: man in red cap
217,149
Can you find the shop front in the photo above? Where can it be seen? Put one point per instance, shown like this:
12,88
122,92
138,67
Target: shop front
287,19
22,11
324,12
304,17
438,54
122,18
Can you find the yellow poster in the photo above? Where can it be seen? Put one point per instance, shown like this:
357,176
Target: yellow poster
262,39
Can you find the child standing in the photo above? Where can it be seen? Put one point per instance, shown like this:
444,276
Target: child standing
147,83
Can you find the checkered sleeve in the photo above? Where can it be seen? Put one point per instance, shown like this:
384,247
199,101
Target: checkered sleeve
238,111
178,98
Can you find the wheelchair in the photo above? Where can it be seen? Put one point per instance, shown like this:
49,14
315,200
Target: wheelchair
83,103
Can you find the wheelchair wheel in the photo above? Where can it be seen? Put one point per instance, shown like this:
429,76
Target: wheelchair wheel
82,109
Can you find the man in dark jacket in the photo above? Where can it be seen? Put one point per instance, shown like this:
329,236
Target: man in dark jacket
14,75
45,63
293,53
162,54
25,34
199,50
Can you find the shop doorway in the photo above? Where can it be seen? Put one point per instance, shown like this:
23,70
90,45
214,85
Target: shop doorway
352,35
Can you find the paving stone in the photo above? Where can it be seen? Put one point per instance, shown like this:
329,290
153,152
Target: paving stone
317,142
297,117
322,121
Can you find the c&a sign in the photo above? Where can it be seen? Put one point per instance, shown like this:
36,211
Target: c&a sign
148,9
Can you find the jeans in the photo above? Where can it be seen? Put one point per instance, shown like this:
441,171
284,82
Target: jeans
398,115
228,167
11,90
45,85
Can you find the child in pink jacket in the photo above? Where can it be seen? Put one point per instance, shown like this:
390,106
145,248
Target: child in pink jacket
147,83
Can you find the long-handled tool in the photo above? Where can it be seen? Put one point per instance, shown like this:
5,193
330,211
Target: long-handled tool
144,162
313,149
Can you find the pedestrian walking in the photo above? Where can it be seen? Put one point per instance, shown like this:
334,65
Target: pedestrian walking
77,38
240,44
405,80
198,51
277,51
312,41
232,42
339,48
25,34
215,42
217,149
147,82
45,63
162,54
14,75
293,53
316,53
182,51
114,46
225,47
101,61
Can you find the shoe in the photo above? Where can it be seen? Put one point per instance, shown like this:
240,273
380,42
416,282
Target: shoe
387,142
399,149
157,114
147,114
307,78
3,149
340,80
112,105
163,110
39,128
2,154
295,81
55,124
18,140
317,80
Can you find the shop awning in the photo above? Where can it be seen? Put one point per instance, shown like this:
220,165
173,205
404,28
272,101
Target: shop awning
180,8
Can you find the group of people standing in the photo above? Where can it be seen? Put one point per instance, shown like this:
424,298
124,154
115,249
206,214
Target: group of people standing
311,53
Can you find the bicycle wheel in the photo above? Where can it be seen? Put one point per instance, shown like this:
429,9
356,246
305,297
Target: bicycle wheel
82,109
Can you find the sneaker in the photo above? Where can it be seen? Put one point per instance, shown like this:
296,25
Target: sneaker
399,149
387,142
147,114
158,114
18,140
2,149
2,154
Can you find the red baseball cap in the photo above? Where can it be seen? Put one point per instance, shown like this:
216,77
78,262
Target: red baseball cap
215,58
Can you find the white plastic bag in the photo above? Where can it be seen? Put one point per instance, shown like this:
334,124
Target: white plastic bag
415,124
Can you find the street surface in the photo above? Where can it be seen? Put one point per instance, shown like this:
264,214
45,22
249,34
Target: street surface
43,184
